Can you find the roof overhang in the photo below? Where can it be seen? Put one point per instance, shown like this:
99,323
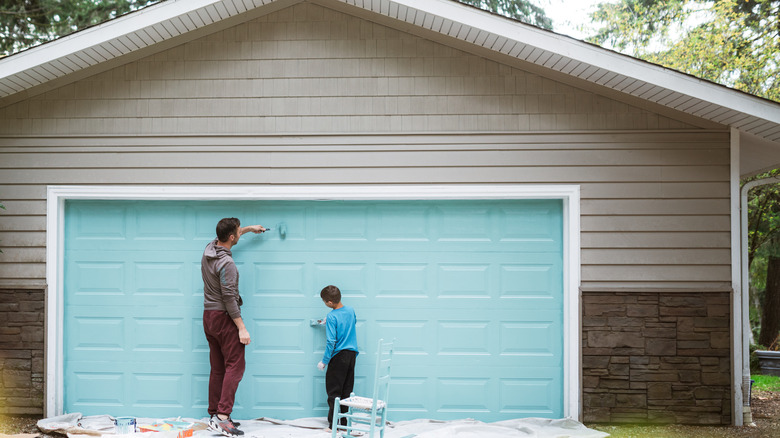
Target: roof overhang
173,22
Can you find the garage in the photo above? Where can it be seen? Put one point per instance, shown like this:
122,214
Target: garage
471,289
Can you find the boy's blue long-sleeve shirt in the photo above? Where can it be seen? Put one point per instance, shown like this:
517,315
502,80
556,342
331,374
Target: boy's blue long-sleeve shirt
340,332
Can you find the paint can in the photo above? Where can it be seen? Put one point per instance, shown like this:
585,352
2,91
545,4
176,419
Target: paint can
124,425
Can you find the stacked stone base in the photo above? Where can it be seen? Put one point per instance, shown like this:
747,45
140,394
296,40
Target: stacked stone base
21,352
656,357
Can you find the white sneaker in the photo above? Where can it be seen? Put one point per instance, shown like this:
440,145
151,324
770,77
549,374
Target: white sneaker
225,427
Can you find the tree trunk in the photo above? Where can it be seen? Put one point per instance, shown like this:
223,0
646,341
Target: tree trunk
770,315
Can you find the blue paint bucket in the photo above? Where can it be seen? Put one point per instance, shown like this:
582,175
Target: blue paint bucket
124,425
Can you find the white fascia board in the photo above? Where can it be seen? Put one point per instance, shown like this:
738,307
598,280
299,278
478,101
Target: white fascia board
317,192
599,57
99,34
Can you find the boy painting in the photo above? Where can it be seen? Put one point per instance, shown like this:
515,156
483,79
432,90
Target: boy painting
341,348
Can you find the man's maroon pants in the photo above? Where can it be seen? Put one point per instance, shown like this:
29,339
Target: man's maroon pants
226,354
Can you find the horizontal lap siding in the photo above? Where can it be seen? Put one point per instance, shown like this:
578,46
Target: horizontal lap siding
307,95
308,69
661,224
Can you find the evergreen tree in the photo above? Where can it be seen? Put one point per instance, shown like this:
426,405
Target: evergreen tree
26,23
731,42
522,10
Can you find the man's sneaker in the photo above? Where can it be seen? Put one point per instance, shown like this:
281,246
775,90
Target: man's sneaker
225,427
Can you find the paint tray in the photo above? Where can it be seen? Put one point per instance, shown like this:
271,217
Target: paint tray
183,428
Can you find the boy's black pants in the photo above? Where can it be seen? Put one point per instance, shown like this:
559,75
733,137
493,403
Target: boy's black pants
340,380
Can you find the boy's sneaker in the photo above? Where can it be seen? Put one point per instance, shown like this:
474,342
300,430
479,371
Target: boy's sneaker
225,427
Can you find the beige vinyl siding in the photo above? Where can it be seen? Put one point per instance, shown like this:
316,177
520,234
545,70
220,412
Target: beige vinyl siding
664,223
307,95
308,69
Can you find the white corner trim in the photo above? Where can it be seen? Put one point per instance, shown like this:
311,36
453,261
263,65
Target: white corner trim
737,277
57,195
571,307
53,357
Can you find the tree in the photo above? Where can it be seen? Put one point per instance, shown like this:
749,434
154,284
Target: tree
26,23
764,248
522,10
731,42
770,305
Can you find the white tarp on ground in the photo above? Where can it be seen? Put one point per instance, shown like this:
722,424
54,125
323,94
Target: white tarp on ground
76,426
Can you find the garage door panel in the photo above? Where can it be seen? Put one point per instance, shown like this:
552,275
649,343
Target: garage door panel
280,393
402,225
472,291
154,390
288,390
464,396
530,396
159,335
529,341
281,339
412,395
154,334
144,389
340,222
268,242
95,387
284,280
110,277
197,336
351,275
161,224
281,336
95,221
413,337
90,335
362,276
199,388
89,278
157,278
466,392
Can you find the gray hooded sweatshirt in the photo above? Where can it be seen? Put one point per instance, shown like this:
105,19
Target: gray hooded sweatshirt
220,280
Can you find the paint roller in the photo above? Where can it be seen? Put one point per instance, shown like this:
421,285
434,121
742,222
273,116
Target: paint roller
282,227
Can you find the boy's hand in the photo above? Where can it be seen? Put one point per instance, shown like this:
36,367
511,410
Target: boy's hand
321,366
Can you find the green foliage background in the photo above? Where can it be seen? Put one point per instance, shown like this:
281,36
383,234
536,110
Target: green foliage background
731,42
522,10
25,23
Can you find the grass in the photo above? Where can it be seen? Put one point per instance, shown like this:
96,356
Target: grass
766,383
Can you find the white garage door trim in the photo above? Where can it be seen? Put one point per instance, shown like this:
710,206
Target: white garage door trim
57,195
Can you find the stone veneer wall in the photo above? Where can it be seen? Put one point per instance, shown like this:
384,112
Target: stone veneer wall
656,357
21,351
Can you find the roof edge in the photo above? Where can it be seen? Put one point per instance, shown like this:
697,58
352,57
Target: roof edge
597,56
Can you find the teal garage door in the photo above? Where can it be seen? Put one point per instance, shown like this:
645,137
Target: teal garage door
472,291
